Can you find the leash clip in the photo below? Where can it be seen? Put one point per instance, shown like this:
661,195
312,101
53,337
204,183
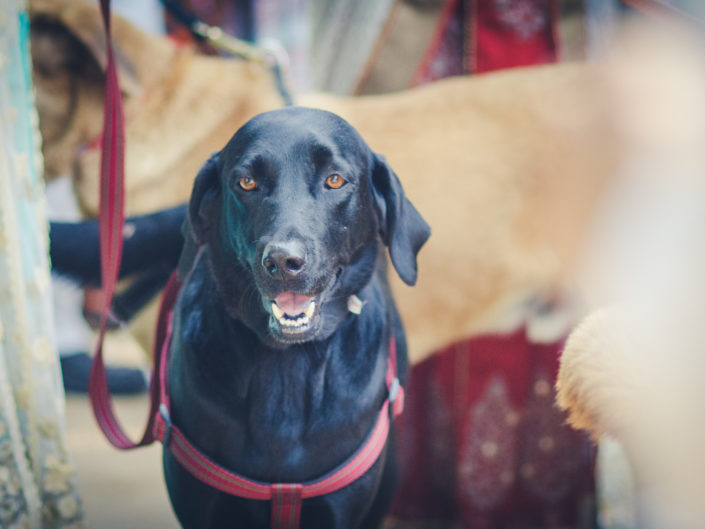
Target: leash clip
164,412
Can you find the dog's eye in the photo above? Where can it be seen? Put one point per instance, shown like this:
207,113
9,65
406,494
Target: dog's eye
247,183
335,181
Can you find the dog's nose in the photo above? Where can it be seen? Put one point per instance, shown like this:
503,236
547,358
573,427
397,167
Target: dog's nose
284,259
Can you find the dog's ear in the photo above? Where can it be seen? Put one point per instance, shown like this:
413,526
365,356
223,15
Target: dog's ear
401,226
205,191
198,224
66,35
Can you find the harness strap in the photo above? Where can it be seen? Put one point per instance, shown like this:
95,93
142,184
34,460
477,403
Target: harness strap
286,505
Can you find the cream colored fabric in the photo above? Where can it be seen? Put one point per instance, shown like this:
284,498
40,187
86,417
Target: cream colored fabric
37,483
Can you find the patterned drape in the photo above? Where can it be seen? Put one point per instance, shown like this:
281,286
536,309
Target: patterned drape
37,482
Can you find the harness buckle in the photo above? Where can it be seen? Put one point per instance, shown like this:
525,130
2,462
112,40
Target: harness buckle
394,389
164,412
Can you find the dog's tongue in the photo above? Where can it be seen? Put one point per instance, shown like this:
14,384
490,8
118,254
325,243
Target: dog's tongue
292,303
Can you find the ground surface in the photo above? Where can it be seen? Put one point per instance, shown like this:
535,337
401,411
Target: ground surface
120,490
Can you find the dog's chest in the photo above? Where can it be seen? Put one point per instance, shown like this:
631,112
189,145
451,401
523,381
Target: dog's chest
272,415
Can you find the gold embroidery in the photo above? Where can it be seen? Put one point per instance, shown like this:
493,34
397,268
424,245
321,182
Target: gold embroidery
48,428
58,474
9,481
68,507
22,398
36,287
43,351
5,451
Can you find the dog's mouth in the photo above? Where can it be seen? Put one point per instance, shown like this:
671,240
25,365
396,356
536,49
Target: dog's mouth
294,315
293,311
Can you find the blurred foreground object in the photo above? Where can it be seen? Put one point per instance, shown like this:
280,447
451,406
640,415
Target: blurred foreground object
634,370
37,482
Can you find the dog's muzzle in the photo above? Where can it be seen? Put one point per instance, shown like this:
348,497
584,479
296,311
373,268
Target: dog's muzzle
284,260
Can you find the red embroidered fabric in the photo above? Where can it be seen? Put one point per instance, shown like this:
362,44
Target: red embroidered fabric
509,33
476,36
500,454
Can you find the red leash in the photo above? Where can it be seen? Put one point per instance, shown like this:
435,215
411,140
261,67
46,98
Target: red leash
111,222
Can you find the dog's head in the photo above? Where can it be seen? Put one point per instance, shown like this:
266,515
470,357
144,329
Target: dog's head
292,210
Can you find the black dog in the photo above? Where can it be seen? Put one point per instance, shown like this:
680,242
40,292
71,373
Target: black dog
270,375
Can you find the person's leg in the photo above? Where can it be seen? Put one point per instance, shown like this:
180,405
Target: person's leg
74,337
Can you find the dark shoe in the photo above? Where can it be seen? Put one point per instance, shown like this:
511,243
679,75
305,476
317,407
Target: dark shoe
76,369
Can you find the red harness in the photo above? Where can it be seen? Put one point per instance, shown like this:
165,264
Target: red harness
286,498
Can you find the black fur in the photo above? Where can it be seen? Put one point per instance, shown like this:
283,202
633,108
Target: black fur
267,404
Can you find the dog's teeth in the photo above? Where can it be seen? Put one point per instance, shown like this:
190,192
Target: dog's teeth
278,313
296,322
292,323
302,320
308,313
288,321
